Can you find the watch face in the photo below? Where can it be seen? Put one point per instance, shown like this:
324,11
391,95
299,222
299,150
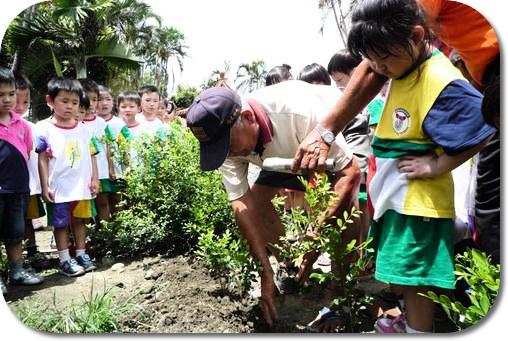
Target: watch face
328,138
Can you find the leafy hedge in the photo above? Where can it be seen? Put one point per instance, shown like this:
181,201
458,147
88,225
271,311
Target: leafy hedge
168,201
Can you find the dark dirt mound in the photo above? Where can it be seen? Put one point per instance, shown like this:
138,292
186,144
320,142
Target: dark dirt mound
183,298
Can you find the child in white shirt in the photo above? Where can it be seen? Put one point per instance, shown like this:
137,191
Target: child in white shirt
68,172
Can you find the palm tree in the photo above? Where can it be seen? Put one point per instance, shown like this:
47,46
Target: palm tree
69,31
251,76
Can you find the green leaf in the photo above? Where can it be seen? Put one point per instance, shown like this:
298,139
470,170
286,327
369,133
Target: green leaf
58,68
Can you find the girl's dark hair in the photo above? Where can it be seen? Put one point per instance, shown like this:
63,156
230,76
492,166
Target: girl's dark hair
129,96
315,73
58,84
146,89
384,26
89,85
343,62
278,74
105,89
6,76
84,101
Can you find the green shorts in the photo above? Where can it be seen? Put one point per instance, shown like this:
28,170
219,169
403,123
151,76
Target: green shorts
413,251
110,186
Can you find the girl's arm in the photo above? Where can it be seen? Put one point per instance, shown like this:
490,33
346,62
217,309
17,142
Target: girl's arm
432,165
94,185
47,193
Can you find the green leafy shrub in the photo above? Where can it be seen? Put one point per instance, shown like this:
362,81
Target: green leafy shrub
184,96
167,201
228,258
308,232
483,279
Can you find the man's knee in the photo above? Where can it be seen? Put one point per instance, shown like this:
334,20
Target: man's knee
264,194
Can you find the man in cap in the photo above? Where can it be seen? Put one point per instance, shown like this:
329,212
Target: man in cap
270,122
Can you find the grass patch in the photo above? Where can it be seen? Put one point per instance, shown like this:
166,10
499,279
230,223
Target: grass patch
100,312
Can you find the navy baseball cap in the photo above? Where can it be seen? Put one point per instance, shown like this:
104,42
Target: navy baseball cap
210,118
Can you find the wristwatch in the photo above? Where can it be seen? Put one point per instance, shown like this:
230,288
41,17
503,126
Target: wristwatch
327,136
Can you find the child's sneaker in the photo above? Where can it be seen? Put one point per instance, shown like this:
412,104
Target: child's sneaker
4,288
24,277
85,261
71,268
388,325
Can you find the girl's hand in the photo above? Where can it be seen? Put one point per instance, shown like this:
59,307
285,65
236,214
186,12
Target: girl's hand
112,175
419,166
94,187
48,195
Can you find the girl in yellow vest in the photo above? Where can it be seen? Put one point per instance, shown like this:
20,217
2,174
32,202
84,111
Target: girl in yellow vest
431,123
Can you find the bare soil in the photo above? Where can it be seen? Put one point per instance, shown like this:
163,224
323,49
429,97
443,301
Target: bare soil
177,295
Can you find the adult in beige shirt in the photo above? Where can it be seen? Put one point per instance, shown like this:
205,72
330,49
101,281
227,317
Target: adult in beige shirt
270,122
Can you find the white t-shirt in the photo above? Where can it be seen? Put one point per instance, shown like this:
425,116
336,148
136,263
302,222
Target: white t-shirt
97,127
294,108
70,151
33,165
137,129
152,127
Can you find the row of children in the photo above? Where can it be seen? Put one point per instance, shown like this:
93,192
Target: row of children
67,161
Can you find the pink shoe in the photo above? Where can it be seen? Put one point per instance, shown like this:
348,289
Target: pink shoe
388,325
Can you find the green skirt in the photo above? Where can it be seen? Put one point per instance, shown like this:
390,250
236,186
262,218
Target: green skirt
413,251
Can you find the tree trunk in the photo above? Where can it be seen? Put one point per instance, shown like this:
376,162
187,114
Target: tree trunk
80,66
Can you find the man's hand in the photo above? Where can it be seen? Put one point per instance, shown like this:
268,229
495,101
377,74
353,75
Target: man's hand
419,166
311,154
268,294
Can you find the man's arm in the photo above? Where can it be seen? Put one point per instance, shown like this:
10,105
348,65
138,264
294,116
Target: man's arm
249,223
364,85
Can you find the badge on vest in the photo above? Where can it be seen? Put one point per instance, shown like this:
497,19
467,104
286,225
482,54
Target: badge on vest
401,121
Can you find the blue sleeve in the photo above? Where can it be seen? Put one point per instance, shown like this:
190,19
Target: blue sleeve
455,121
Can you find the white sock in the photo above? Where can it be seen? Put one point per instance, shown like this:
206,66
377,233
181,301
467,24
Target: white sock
64,256
80,252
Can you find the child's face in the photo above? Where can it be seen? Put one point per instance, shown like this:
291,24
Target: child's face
81,113
105,104
22,101
161,110
92,96
341,79
393,66
401,59
128,110
65,105
7,97
150,103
